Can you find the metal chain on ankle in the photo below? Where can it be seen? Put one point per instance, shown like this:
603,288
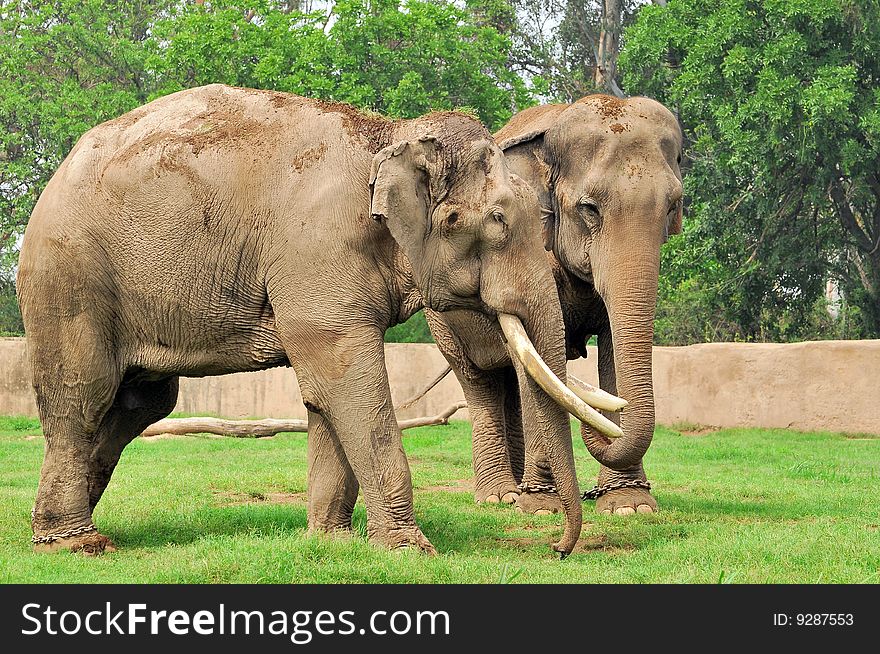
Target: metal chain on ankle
598,491
526,487
37,540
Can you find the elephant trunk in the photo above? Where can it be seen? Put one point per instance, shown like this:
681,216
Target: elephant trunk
630,294
541,408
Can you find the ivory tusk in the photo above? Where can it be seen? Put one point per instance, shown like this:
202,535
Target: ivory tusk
596,397
521,346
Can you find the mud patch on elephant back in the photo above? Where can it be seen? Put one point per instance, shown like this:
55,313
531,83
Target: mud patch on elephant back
373,130
617,128
220,127
452,486
309,157
234,498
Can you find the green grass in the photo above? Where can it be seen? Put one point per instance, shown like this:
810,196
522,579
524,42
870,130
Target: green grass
740,505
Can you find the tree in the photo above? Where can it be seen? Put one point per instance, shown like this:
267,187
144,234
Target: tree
780,103
569,48
64,66
432,55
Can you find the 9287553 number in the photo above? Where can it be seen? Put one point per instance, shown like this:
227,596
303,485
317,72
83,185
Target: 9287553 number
824,619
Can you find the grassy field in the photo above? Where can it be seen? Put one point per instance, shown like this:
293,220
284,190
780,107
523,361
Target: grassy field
741,505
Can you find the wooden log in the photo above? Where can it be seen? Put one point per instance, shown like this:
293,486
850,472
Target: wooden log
269,426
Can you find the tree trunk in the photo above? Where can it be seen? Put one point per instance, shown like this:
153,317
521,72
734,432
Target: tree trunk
605,71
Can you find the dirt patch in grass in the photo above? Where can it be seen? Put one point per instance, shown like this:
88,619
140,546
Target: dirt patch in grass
234,498
541,528
452,486
692,429
543,536
600,542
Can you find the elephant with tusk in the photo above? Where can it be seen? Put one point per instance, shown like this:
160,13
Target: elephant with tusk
219,230
607,174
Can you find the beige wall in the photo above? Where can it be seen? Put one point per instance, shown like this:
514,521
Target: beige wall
828,385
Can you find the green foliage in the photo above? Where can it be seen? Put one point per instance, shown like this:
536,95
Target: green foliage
401,59
414,330
761,506
781,109
67,65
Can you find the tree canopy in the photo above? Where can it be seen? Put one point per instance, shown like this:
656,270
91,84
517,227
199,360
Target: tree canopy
780,104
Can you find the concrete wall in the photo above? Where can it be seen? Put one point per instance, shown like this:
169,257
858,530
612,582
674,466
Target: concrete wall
827,385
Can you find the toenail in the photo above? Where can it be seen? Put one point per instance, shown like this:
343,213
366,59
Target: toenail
644,508
625,510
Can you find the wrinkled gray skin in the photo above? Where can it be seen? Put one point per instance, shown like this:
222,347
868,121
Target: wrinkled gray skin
219,230
607,175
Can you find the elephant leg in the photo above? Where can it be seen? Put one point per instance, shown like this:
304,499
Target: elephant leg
332,485
626,500
135,407
538,494
487,397
516,446
75,380
344,380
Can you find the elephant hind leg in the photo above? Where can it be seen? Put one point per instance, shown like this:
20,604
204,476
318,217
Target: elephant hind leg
75,379
135,407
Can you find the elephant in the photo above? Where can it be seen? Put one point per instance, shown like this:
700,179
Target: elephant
607,173
220,230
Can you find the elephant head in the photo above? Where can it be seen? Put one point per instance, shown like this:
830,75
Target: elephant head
464,223
608,177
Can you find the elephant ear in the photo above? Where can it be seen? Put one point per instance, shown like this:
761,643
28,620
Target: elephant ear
527,129
528,125
400,191
674,226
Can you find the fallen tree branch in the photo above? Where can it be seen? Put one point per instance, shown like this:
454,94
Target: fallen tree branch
269,426
439,378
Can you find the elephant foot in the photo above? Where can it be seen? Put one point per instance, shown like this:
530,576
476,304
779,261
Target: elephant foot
542,503
90,544
626,501
504,494
402,538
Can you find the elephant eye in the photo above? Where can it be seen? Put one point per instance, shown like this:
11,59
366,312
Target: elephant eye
452,218
588,209
498,217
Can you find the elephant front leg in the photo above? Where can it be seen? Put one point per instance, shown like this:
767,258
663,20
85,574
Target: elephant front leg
494,478
332,485
345,382
537,489
619,492
624,492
